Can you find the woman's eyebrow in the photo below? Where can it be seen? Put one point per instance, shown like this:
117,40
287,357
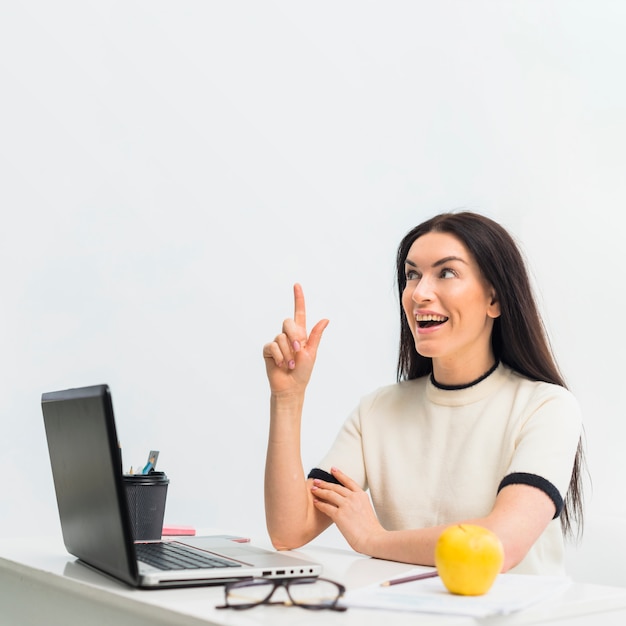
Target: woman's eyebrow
447,260
438,263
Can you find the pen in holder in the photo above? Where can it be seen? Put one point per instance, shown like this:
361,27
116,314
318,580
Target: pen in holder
146,495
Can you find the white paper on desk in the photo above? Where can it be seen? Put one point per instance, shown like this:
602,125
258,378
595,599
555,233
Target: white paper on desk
509,593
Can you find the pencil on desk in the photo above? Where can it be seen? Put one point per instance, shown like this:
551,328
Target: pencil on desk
408,579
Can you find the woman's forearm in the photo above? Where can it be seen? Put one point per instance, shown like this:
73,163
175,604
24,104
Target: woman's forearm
416,546
291,517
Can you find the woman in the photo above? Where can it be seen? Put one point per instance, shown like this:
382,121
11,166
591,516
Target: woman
480,427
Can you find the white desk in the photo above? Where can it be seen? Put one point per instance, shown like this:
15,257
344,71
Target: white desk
40,583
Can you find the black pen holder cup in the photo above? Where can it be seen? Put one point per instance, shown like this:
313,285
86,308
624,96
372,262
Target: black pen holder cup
146,495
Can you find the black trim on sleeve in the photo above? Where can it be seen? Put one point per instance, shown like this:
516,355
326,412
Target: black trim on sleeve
522,478
316,472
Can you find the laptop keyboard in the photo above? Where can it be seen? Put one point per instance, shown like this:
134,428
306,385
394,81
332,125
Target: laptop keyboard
173,556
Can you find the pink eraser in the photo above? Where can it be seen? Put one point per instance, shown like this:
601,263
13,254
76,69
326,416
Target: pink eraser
170,530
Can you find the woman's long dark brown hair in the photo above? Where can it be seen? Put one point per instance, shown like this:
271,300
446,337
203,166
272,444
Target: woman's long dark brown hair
519,338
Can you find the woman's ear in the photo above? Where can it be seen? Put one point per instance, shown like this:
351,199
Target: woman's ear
494,306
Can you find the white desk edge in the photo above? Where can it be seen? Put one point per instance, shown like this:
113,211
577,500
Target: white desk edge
43,567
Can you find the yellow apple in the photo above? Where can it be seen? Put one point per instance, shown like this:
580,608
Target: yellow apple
468,559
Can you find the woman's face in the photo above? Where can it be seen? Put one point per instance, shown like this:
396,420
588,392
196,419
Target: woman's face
448,304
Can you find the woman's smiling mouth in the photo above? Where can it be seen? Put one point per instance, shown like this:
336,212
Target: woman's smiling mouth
430,320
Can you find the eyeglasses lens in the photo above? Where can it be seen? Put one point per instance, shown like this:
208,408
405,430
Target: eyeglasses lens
318,593
246,594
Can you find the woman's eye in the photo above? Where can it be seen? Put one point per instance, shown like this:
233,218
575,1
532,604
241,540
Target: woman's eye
448,273
411,275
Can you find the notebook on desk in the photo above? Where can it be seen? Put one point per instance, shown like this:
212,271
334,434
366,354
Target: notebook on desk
87,472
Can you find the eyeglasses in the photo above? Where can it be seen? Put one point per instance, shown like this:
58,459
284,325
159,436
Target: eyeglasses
308,593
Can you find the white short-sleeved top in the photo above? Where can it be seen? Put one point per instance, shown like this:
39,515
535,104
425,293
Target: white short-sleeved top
431,456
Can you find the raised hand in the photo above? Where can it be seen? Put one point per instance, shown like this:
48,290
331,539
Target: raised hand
290,358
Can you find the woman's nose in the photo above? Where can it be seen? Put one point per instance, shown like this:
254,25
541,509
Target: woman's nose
422,291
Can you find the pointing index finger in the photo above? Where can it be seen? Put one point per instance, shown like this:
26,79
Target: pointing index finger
299,306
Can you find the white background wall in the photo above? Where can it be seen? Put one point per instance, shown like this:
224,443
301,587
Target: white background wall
169,169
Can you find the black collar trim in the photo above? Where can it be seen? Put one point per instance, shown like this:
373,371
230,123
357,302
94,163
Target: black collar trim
466,385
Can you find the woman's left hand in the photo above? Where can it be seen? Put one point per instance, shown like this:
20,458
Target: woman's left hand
350,508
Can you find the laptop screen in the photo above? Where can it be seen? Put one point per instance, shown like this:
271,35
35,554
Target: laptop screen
87,472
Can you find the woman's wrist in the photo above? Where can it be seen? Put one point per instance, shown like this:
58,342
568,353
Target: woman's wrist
287,399
286,406
375,545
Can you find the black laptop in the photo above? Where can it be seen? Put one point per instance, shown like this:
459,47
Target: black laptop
93,509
